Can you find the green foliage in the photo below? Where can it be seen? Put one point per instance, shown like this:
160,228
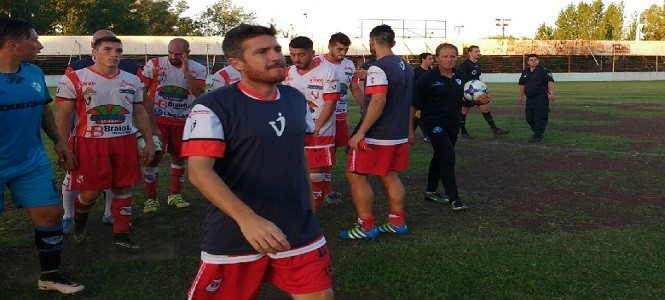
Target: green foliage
220,17
124,17
544,32
654,23
587,22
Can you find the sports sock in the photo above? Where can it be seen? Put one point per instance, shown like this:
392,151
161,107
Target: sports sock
49,245
68,202
327,184
108,199
122,212
150,181
177,178
489,120
366,224
463,124
396,218
82,210
318,188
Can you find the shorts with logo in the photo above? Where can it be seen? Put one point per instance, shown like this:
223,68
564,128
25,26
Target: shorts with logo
301,274
320,151
34,188
172,137
341,133
105,163
379,159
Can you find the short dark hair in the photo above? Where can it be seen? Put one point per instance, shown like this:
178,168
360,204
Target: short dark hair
532,55
339,38
301,42
383,34
446,45
13,29
106,39
423,56
232,44
468,50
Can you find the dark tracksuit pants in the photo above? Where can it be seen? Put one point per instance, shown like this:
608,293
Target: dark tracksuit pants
442,165
537,111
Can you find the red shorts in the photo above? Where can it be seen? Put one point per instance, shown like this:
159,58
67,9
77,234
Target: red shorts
172,137
379,160
341,133
300,274
105,163
320,151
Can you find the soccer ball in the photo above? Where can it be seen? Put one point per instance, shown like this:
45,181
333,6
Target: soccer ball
473,89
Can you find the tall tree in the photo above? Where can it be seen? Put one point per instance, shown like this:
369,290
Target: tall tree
220,17
590,21
653,19
544,32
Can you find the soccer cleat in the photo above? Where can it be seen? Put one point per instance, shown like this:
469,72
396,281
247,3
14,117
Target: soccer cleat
358,233
150,206
56,282
535,138
436,197
458,205
176,200
122,241
333,198
67,225
390,228
108,220
500,132
79,231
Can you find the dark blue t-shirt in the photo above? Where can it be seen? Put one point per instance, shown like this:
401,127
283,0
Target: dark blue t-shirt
439,98
535,83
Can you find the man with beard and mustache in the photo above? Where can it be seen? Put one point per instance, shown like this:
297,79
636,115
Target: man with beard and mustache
245,148
320,85
172,83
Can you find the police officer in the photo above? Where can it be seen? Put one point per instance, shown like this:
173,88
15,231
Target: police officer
537,84
471,67
438,94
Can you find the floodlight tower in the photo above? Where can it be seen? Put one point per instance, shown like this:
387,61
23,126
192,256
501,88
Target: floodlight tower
503,23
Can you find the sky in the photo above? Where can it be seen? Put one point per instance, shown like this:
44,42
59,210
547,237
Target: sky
319,19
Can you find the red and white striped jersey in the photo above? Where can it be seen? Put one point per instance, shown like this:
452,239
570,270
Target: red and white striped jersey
344,72
226,76
168,88
319,85
104,105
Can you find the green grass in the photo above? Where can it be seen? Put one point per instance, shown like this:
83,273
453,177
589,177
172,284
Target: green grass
577,216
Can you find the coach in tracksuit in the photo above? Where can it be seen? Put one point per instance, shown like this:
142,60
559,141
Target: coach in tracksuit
537,84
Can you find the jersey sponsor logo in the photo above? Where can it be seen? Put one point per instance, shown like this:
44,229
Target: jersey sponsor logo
22,105
108,114
437,83
401,65
214,285
343,89
459,81
127,91
87,95
126,211
124,83
315,87
173,93
86,83
316,80
37,86
282,124
16,79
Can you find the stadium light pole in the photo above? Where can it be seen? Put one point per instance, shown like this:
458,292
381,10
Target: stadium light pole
458,29
503,23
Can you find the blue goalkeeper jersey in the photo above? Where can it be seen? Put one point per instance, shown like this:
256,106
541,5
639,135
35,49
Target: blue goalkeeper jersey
22,98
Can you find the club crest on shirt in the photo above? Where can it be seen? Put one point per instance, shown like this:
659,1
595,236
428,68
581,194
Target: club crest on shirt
459,81
37,86
214,285
282,124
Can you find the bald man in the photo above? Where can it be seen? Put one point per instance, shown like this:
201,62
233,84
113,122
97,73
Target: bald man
67,194
172,83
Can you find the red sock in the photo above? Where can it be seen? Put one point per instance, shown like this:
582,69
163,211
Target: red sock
121,207
396,218
318,190
177,178
366,224
150,182
81,211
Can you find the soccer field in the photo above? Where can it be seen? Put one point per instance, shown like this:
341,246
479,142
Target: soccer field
579,215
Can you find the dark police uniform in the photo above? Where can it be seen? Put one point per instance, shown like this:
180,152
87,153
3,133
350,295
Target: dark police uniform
439,100
537,105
